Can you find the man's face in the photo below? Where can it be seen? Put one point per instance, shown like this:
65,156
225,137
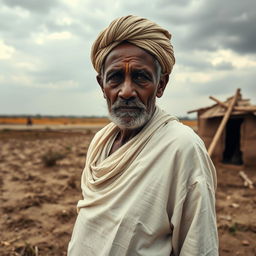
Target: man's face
131,81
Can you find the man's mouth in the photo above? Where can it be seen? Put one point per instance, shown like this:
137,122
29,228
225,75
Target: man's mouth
127,108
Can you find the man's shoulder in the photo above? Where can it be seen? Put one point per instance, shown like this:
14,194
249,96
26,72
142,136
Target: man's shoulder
179,134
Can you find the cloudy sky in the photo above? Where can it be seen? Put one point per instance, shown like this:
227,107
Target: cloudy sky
45,47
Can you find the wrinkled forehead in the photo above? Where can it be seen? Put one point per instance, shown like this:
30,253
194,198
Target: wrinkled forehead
128,53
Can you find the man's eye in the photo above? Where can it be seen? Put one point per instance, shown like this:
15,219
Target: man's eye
114,78
140,77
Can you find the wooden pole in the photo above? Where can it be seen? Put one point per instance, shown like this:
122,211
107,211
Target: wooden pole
223,123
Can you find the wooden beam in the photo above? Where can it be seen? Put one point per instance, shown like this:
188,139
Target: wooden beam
237,108
196,110
221,103
192,111
223,123
246,109
247,181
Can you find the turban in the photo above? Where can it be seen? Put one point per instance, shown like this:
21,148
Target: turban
137,31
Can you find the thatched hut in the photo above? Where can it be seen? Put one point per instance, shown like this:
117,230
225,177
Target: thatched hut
237,143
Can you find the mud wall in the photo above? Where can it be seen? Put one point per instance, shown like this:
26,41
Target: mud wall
206,130
248,140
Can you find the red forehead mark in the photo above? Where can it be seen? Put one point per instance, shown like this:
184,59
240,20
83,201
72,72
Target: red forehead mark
126,67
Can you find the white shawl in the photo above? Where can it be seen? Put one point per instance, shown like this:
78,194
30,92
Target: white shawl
153,196
102,170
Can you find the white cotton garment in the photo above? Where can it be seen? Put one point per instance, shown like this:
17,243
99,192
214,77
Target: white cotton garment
154,196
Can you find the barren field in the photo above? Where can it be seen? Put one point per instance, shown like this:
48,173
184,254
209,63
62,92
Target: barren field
54,120
40,186
66,121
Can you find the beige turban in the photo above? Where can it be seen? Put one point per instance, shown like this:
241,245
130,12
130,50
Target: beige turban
138,31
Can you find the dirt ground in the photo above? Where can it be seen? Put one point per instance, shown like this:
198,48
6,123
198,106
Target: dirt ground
40,186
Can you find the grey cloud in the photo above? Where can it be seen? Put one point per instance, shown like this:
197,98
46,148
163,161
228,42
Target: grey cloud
165,3
196,63
193,63
63,61
31,5
228,84
224,66
17,27
13,26
213,25
85,24
219,26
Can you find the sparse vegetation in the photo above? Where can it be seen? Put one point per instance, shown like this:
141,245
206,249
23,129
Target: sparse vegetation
6,130
68,148
51,157
27,250
233,229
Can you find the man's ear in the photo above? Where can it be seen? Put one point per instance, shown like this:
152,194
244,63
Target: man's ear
100,82
161,85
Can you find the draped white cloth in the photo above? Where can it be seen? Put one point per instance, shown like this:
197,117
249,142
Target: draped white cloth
153,196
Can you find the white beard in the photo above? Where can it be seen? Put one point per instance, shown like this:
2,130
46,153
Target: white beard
136,120
129,119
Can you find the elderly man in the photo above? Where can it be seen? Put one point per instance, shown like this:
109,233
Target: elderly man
148,184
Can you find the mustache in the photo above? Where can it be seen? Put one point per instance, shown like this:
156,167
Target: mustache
136,103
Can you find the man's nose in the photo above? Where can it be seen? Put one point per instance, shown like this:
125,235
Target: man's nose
127,89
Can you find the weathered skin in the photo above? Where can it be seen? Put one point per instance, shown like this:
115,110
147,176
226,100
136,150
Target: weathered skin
129,73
